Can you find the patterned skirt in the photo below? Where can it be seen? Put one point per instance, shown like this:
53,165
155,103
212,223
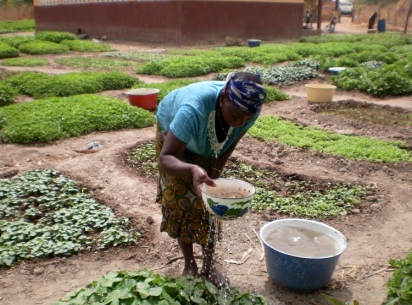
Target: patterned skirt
183,214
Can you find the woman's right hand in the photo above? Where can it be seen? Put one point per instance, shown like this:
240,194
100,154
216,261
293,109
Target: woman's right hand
199,176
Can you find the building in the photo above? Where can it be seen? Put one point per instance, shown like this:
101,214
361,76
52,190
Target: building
173,21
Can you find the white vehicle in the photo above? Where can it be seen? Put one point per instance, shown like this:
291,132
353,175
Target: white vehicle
345,8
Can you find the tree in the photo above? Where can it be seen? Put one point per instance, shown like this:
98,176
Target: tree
15,2
408,4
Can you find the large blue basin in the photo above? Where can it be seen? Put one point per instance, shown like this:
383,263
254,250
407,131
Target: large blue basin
301,272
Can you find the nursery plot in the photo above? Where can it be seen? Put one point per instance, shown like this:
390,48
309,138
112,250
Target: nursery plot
366,113
377,230
44,214
358,117
278,194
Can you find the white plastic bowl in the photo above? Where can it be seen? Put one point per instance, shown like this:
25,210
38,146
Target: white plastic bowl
320,92
220,200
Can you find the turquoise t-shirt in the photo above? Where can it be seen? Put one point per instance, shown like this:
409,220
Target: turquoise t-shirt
185,111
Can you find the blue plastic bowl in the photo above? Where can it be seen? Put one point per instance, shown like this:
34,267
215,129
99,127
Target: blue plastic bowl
253,43
299,272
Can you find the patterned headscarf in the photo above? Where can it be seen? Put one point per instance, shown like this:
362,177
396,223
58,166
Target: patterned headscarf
246,94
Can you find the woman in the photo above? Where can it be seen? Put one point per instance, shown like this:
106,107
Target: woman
372,20
199,126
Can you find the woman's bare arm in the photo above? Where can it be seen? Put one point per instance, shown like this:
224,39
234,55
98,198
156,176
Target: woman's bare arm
170,164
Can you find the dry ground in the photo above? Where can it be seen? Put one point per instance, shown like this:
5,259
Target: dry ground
377,232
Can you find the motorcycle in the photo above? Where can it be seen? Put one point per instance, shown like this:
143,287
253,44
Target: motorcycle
330,28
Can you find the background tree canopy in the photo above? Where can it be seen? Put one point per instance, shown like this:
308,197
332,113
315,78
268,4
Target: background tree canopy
15,2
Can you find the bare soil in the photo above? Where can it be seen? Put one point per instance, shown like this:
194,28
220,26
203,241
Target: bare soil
379,230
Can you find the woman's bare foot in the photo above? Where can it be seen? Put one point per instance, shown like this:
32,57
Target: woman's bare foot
215,277
190,270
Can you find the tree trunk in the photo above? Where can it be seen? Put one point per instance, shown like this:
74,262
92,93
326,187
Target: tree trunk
320,6
408,16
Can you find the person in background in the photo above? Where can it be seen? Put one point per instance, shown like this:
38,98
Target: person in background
372,20
80,34
308,19
198,128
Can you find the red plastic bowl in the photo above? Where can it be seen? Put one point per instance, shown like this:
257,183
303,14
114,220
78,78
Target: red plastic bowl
145,98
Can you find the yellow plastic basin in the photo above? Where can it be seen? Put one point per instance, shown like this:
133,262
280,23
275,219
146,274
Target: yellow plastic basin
320,92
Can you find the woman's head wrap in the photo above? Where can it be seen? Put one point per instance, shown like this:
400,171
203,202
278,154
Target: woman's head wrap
244,93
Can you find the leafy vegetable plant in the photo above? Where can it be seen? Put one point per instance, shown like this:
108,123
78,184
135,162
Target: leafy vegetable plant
385,81
55,118
40,85
268,54
278,194
146,288
95,62
17,26
144,158
271,128
387,40
334,301
25,62
400,284
190,66
7,95
310,204
85,45
7,51
140,56
285,75
44,214
15,41
36,47
53,36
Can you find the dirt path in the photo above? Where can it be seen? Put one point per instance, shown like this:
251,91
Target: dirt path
376,232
